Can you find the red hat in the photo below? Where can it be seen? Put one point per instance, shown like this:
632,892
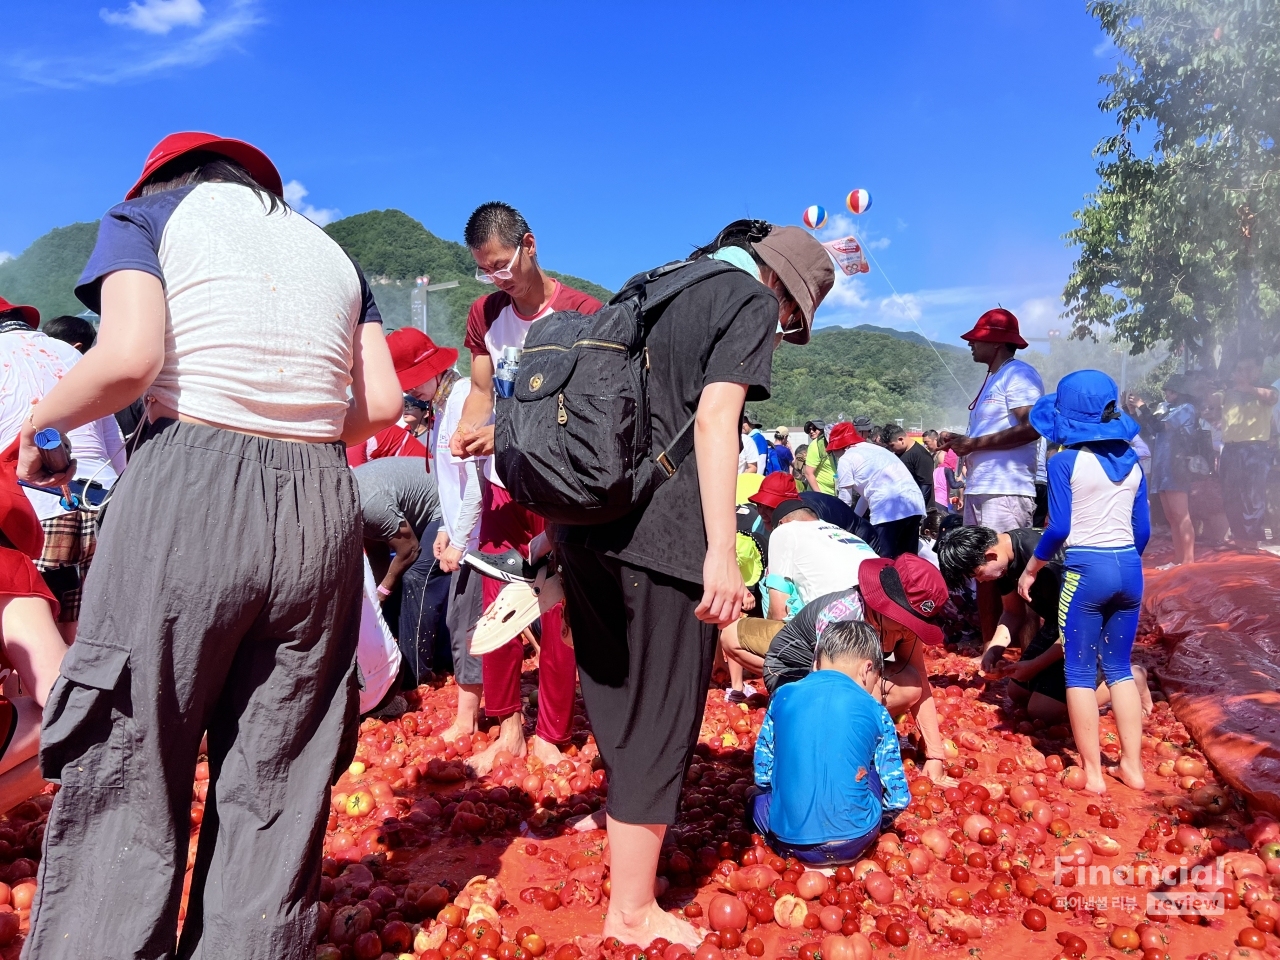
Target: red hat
843,435
996,326
416,358
905,590
248,156
777,487
29,314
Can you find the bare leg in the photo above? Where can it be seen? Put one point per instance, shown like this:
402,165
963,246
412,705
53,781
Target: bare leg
735,675
32,643
26,738
634,915
1127,706
1178,512
735,653
1082,706
1047,709
467,720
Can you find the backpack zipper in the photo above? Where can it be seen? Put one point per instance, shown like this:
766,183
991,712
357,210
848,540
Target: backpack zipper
606,344
561,416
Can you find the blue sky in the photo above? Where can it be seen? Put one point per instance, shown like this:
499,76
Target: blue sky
625,132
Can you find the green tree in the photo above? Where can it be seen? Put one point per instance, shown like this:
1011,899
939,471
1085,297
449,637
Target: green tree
45,274
1183,244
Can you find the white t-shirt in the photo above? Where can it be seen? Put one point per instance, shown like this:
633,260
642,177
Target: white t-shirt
881,480
31,364
456,479
818,557
751,452
1004,472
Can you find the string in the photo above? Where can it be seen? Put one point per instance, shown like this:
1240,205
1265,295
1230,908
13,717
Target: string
897,296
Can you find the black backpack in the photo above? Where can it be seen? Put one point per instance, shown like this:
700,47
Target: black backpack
574,444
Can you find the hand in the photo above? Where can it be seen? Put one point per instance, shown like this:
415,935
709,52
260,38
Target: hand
477,443
722,588
450,559
31,468
1022,671
1025,583
539,547
441,542
991,659
936,771
958,444
748,599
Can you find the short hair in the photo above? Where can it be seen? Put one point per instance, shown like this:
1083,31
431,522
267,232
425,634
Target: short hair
891,432
203,166
850,640
964,550
930,435
14,314
71,330
495,219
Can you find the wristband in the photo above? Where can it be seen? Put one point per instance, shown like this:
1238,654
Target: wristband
383,591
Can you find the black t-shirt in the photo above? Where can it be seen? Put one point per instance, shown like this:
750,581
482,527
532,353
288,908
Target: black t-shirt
791,651
719,330
831,509
1048,585
917,459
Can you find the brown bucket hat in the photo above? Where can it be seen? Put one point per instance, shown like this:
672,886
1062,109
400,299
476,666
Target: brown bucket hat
804,267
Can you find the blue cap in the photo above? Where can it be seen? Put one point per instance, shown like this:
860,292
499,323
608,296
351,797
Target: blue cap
1084,408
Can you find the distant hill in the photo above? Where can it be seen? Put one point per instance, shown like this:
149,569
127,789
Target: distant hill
393,249
846,373
912,337
45,275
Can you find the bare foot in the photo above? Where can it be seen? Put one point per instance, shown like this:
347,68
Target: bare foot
510,739
1144,691
455,731
547,752
1130,775
1096,785
647,924
592,821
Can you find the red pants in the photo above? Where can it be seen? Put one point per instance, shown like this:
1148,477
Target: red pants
504,525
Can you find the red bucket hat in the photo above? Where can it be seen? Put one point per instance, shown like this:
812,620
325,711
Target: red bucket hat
843,435
906,590
776,488
417,359
996,326
29,314
245,154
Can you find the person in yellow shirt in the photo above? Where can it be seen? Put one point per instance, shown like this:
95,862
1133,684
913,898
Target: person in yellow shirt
819,467
1246,452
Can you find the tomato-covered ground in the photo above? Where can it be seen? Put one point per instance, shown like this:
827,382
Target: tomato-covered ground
423,862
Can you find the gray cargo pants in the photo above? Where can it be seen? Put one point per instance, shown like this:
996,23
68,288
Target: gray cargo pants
225,596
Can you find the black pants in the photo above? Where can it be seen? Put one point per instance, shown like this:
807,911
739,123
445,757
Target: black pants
1244,468
891,539
644,664
424,599
225,598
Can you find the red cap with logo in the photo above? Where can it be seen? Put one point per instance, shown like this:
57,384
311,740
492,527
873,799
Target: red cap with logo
29,314
417,359
906,590
843,434
776,488
996,326
246,154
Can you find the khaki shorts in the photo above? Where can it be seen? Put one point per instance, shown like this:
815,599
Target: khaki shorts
755,634
1000,512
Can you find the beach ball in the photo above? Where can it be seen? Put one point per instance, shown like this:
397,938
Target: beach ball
858,201
815,217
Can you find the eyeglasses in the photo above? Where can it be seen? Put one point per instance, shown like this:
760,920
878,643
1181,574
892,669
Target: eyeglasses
503,274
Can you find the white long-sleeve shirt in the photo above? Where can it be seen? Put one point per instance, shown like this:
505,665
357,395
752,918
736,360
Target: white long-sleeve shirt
458,480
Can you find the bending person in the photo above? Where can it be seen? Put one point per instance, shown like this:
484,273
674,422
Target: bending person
1098,509
238,617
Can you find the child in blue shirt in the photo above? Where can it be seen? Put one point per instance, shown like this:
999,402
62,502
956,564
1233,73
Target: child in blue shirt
1098,511
827,758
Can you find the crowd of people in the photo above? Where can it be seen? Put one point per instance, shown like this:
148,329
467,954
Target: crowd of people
291,519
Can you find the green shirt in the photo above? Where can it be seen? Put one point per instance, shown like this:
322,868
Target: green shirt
824,470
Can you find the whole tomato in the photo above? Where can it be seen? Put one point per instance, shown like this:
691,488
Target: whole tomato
727,913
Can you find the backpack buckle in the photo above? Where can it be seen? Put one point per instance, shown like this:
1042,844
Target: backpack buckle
665,463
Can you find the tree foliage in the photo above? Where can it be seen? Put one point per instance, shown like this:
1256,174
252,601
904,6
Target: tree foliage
45,274
1182,243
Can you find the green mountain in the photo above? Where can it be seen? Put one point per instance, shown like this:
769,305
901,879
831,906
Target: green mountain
842,374
45,275
394,250
885,374
913,337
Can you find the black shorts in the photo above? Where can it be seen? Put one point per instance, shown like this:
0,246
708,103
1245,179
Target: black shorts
1052,680
644,664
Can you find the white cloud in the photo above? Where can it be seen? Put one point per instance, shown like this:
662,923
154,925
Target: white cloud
1105,49
294,195
5,255
139,59
1038,315
156,16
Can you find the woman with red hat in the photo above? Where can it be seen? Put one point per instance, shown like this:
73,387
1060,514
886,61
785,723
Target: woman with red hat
226,594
